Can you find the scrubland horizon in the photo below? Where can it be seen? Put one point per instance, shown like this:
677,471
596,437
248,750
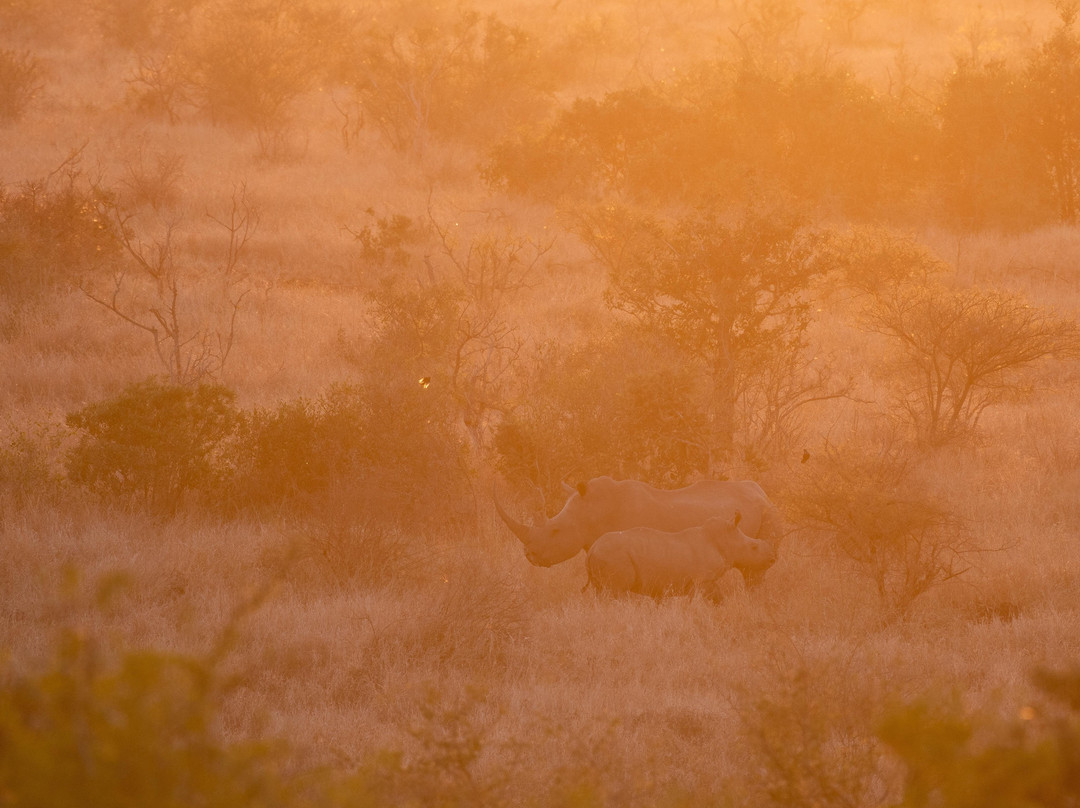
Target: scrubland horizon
287,290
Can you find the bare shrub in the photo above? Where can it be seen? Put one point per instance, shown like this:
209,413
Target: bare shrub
873,259
153,179
21,79
449,330
159,294
31,464
160,85
352,548
878,514
963,350
472,619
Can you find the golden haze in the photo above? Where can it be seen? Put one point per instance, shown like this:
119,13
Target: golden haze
288,288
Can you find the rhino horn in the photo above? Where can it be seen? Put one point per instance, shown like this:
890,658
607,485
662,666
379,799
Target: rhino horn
518,529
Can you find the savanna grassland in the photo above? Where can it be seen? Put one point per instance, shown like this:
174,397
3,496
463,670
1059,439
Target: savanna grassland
287,289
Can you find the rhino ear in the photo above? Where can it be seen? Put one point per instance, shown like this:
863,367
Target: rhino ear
738,518
582,488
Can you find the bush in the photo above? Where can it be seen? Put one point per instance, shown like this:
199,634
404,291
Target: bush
189,315
616,405
144,25
249,61
808,733
959,759
1053,73
154,443
466,77
725,132
990,172
30,466
51,231
20,81
386,446
874,259
138,731
451,329
881,516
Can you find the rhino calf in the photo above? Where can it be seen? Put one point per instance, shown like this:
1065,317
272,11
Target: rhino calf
651,562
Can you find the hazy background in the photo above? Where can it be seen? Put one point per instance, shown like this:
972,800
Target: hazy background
287,288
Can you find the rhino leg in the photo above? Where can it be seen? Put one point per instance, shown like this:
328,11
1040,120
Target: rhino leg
612,573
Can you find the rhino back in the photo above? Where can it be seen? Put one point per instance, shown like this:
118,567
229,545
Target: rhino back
651,562
695,504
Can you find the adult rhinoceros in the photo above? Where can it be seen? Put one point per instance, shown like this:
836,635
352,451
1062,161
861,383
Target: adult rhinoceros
603,505
652,562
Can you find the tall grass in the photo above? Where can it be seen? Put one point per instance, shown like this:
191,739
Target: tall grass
417,665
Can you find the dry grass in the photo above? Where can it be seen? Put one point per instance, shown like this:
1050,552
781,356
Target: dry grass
378,639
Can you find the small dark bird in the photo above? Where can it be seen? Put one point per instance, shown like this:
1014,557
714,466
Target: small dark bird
425,382
805,456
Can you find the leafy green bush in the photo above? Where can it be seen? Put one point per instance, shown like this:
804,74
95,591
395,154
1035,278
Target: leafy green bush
145,25
725,132
989,170
1053,74
154,443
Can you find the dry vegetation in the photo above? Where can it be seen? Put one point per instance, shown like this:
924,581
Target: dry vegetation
286,288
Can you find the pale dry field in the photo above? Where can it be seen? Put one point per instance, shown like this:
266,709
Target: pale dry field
445,644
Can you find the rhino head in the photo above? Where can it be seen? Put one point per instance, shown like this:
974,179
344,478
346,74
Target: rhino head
563,536
752,557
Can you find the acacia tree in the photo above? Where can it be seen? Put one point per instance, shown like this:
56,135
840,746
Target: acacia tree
962,350
735,297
